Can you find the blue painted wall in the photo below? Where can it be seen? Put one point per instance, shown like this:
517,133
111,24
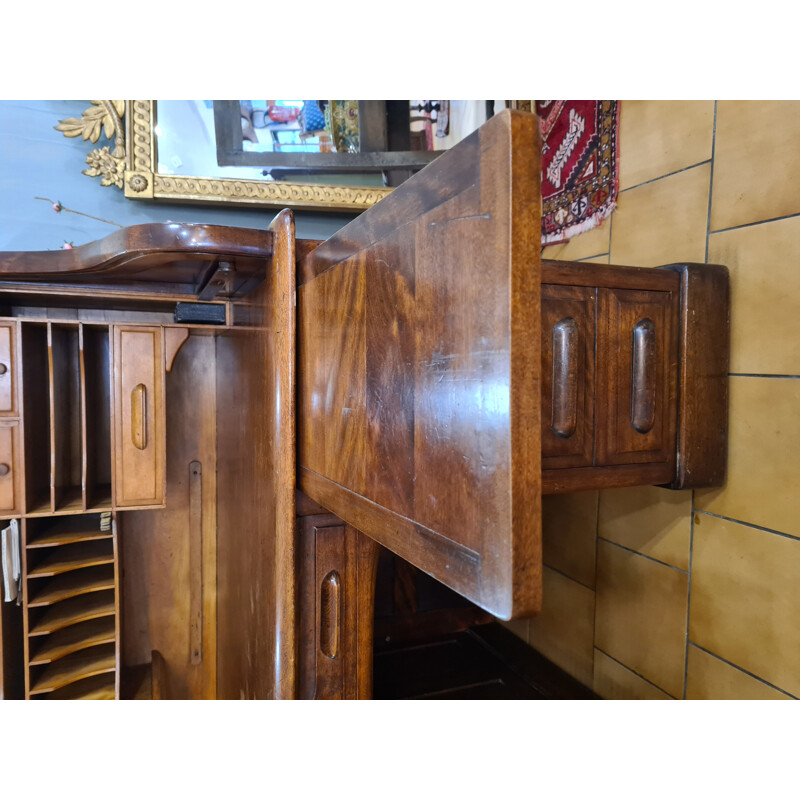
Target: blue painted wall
38,161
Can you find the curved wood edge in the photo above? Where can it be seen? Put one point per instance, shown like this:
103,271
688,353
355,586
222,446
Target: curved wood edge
283,364
704,335
124,247
525,209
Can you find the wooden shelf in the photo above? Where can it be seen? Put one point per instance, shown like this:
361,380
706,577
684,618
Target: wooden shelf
67,531
74,638
73,556
39,506
74,667
72,584
98,687
70,501
76,609
101,500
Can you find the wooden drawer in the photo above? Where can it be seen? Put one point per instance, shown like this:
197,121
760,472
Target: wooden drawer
10,472
568,325
8,371
139,416
636,377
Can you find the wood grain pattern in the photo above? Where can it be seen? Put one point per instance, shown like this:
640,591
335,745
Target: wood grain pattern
8,370
11,472
561,303
74,667
256,609
139,412
415,324
617,440
704,334
157,257
336,576
564,416
77,609
157,580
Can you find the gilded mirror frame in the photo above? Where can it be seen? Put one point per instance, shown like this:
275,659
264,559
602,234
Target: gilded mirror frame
130,166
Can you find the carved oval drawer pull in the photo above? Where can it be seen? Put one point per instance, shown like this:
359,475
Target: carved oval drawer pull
330,614
3,369
564,415
4,470
643,376
139,416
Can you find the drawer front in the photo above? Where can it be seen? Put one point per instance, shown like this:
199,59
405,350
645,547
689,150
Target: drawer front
636,376
10,474
8,378
139,423
568,336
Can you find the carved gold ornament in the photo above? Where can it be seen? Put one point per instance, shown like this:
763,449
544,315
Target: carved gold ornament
129,165
102,116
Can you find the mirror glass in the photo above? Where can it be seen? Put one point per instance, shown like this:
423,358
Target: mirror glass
340,142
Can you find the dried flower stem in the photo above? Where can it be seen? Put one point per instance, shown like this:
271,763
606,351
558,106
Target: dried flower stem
72,211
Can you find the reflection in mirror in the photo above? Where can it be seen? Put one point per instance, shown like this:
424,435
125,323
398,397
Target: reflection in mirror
381,142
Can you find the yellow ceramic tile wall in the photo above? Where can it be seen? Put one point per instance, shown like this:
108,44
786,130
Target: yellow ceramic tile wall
653,521
663,222
710,678
745,606
743,580
612,681
756,162
641,615
763,456
658,137
569,528
564,631
765,295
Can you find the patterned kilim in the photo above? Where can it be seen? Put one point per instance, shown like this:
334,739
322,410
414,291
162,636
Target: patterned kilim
579,165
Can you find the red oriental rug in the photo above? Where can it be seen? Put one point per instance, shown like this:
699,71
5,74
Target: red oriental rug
579,165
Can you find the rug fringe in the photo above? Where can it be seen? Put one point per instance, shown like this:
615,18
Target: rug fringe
587,224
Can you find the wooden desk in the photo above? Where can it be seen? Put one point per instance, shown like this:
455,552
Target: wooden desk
422,377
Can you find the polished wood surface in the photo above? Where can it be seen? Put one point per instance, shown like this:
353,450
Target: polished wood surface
336,575
139,420
704,335
164,257
158,587
256,604
419,365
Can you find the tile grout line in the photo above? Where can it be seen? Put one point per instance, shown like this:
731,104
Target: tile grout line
643,555
741,669
691,518
711,183
759,375
568,577
688,599
752,224
796,538
638,675
667,175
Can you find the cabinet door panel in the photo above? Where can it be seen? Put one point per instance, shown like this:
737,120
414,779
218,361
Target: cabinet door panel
10,475
636,377
568,328
8,380
139,425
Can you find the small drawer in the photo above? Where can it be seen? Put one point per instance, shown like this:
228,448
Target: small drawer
568,323
139,421
8,372
636,377
10,474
